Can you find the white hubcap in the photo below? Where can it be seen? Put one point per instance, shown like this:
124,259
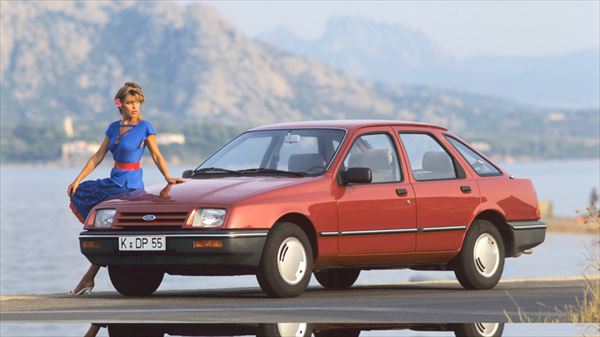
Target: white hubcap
487,329
291,260
291,329
486,255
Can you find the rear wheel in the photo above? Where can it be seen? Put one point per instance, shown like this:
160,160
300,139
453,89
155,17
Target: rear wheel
286,263
337,278
134,280
481,260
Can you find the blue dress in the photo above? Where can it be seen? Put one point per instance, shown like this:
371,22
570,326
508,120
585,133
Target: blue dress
125,148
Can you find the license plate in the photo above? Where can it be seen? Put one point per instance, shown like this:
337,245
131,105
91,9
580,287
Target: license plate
142,243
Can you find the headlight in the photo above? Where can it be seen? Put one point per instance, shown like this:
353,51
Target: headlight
104,218
208,217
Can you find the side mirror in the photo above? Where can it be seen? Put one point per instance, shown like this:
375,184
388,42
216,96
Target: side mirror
357,175
187,174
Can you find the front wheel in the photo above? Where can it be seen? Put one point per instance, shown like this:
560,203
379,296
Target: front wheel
286,263
337,279
135,281
481,260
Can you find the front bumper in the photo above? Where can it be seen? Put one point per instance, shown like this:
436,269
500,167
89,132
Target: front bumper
526,235
240,252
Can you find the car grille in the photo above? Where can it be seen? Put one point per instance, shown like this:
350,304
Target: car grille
162,218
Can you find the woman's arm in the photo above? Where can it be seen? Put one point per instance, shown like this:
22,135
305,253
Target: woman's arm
91,164
160,161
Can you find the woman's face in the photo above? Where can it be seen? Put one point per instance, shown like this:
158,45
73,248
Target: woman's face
130,107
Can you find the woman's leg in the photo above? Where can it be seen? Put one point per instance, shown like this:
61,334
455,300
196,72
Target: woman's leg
88,278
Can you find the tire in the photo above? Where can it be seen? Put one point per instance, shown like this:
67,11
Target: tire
337,279
481,260
286,263
339,332
285,330
132,330
135,281
478,329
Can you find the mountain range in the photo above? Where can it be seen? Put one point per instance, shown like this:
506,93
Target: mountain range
67,59
397,54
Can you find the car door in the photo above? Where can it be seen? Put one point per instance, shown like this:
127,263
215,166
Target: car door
377,217
446,198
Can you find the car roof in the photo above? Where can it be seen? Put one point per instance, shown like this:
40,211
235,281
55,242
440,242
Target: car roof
346,124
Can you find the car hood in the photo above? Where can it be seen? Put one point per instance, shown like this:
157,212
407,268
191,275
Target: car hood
213,191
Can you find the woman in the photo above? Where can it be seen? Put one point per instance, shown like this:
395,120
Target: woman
126,139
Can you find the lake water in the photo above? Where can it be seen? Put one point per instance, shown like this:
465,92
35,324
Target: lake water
40,252
566,183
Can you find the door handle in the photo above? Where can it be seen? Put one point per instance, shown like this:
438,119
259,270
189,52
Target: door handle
465,189
401,192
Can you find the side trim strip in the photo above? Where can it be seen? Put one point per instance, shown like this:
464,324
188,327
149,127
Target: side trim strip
443,229
520,225
530,227
382,231
393,231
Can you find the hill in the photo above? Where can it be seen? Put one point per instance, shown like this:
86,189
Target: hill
397,54
203,78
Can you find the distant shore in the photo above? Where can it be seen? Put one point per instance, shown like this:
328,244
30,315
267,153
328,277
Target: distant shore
571,225
108,162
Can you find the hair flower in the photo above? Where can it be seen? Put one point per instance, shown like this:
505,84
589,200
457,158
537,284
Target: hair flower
118,102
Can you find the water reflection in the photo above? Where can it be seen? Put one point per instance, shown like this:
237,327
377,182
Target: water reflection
290,329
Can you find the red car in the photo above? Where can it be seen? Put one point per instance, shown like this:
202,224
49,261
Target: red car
331,197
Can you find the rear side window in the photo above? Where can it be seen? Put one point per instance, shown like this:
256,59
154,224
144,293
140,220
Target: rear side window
428,159
477,162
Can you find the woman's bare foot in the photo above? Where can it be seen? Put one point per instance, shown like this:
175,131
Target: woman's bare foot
87,281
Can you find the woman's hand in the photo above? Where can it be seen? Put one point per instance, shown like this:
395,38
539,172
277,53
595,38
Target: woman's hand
171,180
72,188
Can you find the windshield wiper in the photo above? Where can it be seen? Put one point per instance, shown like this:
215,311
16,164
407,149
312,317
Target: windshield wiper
273,171
211,170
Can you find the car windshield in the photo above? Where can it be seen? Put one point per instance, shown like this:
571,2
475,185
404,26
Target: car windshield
306,151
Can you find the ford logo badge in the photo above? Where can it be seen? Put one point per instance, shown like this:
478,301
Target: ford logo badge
149,217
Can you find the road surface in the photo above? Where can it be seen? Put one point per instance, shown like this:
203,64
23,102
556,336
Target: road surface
413,302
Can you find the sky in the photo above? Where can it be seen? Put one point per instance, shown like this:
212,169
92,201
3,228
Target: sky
460,28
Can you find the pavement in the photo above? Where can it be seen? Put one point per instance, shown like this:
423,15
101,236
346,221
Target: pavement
527,300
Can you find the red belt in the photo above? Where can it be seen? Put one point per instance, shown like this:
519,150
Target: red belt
127,166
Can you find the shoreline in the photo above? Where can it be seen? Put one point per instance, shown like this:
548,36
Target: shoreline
573,225
107,164
59,164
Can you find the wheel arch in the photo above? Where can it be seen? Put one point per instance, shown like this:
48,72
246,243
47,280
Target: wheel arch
307,227
498,220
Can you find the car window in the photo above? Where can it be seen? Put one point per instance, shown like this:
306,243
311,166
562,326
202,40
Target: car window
297,150
246,154
428,159
477,162
377,152
301,146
